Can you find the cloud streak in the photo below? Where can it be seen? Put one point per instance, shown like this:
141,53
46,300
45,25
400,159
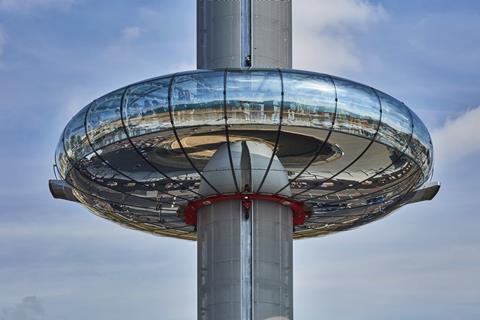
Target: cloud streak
323,32
131,33
30,308
458,138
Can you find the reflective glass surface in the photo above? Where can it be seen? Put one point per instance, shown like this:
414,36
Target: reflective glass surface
145,107
396,127
75,139
61,160
309,100
197,107
309,107
351,153
358,109
422,147
104,124
253,97
197,99
253,111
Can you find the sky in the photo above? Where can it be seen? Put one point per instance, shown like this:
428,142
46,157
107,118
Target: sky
58,261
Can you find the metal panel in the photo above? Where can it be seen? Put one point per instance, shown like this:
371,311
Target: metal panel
272,261
272,34
245,262
244,33
61,190
218,34
424,194
219,276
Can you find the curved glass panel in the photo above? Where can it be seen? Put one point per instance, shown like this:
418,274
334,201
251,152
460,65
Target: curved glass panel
145,108
121,154
197,103
381,165
309,100
402,169
309,105
117,159
197,99
147,120
75,139
104,124
323,177
375,205
358,109
107,190
396,127
124,158
254,102
159,222
94,168
422,146
375,159
377,191
377,167
254,97
61,160
358,115
104,129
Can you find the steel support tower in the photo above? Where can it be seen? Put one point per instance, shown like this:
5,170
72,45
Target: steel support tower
245,248
244,252
244,34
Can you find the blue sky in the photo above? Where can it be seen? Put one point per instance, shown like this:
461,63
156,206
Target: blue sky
58,261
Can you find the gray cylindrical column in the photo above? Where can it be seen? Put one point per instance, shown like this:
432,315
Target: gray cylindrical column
245,265
244,33
245,256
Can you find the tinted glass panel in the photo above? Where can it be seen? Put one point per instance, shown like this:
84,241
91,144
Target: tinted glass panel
61,160
358,109
396,127
104,123
254,97
309,100
198,114
422,146
197,99
75,139
145,108
327,175
309,105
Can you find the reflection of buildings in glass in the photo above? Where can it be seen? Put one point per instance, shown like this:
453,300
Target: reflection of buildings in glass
142,126
307,115
276,113
291,115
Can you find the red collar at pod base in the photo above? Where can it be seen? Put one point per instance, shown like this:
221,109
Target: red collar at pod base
300,210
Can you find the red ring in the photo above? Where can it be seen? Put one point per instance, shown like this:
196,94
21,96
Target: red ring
299,209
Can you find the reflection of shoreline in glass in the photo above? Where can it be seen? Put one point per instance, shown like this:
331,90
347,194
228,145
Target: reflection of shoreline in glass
131,128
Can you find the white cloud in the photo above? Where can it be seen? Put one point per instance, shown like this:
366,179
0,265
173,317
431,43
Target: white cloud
458,138
27,5
30,308
130,33
323,32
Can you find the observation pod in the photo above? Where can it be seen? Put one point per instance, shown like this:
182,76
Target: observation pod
244,155
352,154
